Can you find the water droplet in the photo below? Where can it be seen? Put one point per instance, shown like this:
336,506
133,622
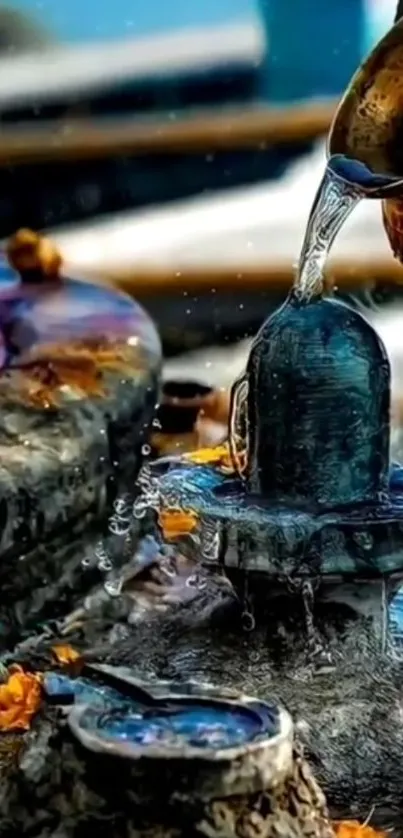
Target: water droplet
140,508
105,565
114,586
363,540
248,621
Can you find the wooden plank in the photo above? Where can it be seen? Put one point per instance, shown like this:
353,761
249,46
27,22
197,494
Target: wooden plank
82,139
151,282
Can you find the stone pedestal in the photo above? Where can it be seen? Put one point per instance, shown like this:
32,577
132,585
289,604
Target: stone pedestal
80,368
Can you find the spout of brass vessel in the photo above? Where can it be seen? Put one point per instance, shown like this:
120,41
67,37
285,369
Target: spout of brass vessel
368,130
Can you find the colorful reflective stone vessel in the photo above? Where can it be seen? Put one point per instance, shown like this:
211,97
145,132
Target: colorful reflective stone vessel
65,336
79,381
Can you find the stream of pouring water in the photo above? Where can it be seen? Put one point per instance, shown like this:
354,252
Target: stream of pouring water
334,201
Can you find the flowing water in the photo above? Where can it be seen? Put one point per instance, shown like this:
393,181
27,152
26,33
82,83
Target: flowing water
334,201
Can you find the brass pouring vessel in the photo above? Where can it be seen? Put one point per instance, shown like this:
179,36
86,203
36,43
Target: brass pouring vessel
368,128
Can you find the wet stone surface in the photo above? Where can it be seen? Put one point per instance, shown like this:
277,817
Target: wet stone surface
347,715
58,475
253,781
349,718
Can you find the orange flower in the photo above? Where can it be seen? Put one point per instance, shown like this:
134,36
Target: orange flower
215,456
29,251
65,654
176,522
354,829
20,699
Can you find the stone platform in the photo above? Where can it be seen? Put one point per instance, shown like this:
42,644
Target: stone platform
348,717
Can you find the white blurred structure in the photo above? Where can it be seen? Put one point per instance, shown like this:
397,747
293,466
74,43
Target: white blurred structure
256,225
59,69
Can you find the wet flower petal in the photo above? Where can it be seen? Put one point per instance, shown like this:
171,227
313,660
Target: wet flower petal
219,456
176,522
65,654
354,829
20,699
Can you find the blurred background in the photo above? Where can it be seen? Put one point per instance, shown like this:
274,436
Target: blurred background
174,148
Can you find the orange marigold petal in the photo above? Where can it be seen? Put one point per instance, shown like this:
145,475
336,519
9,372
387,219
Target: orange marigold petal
354,829
175,523
20,699
64,653
208,455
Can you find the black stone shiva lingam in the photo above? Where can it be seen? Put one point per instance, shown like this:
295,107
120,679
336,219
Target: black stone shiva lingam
312,497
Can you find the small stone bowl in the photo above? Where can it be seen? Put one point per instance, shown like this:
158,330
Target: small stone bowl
191,744
191,415
181,758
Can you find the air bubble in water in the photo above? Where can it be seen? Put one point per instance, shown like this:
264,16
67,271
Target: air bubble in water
113,587
363,540
105,565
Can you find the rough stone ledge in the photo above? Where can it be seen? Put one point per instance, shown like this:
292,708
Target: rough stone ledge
350,719
57,467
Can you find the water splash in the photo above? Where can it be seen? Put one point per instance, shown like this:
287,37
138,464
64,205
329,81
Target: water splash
116,551
210,540
112,552
148,497
395,623
335,199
